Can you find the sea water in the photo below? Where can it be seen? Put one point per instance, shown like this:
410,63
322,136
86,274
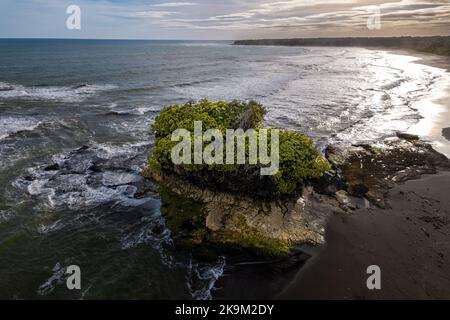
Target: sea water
70,106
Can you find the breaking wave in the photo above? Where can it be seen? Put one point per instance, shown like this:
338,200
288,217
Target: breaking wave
62,94
12,125
88,177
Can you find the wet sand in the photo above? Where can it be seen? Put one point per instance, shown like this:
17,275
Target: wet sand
410,242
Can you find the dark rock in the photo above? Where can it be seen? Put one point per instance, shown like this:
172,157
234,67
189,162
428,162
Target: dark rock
82,148
328,184
243,181
95,168
407,136
446,133
53,167
371,172
348,202
358,190
79,86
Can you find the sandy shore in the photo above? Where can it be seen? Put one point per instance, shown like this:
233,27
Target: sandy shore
410,241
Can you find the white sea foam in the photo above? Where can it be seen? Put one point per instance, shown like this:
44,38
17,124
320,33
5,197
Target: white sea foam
74,184
202,278
139,111
57,278
5,216
142,232
63,94
400,87
52,227
73,191
266,83
120,178
10,125
108,151
356,96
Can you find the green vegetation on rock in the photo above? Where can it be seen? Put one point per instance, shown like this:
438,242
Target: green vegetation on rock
299,159
220,115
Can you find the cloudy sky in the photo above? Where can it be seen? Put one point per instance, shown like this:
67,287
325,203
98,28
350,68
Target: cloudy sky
222,19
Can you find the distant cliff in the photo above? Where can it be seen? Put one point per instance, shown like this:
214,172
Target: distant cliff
437,44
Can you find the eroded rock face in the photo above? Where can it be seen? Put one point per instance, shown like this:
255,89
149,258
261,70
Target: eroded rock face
268,227
371,171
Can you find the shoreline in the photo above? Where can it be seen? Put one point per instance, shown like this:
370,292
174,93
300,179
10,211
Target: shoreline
409,241
434,127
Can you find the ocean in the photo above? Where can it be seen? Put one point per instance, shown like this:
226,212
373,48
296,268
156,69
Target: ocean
74,135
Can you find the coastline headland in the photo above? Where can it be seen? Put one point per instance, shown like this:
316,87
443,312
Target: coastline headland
435,44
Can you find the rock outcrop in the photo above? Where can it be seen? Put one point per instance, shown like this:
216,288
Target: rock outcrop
269,227
363,174
370,171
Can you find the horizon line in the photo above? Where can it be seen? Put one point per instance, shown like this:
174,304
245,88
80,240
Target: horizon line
107,39
144,39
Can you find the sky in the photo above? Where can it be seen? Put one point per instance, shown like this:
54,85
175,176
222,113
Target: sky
223,19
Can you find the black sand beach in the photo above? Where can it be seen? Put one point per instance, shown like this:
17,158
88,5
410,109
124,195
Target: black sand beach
409,241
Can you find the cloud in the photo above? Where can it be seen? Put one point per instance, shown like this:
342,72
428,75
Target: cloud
154,14
225,19
273,7
175,4
234,16
343,15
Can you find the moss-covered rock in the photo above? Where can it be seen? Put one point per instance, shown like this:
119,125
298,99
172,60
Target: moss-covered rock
299,160
218,207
